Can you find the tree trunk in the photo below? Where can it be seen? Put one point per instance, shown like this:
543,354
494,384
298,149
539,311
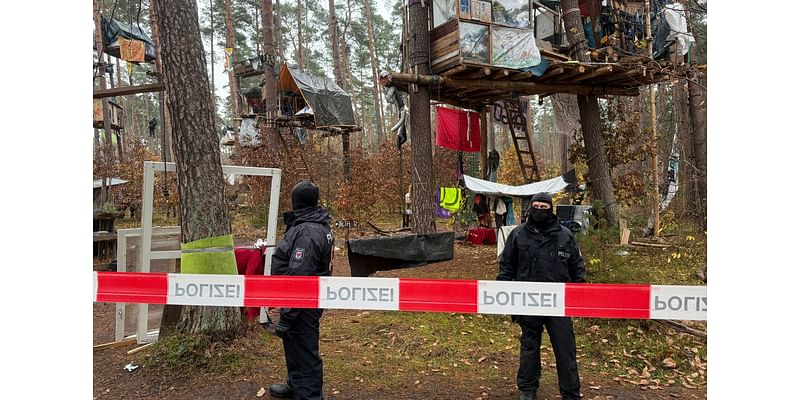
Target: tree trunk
107,147
567,123
339,78
231,77
166,131
376,98
300,35
278,23
697,109
687,163
599,172
653,131
270,90
203,213
420,112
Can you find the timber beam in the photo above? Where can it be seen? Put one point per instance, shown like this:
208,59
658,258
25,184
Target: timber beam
126,90
523,88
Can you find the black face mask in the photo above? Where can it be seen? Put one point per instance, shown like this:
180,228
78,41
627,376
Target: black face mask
288,218
539,216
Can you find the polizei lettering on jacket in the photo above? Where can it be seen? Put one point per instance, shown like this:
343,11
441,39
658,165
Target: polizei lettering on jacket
678,302
521,298
204,290
359,293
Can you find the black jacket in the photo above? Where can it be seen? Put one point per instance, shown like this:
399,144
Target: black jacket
548,256
305,250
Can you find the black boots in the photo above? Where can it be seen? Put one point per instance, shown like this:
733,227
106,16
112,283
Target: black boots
527,395
281,391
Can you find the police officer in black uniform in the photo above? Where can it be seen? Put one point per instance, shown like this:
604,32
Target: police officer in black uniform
541,250
305,250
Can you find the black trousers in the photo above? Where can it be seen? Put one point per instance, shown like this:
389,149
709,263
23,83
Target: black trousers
301,350
562,338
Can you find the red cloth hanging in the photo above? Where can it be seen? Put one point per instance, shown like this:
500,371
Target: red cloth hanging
451,129
249,261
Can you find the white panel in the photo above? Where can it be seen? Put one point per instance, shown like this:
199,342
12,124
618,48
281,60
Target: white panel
520,298
359,293
678,302
205,290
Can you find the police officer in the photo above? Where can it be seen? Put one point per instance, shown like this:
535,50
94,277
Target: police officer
541,250
306,249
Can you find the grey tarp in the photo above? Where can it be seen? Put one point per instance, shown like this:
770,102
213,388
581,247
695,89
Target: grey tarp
113,29
332,106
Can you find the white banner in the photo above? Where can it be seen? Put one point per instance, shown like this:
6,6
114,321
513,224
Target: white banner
521,298
678,302
205,290
359,293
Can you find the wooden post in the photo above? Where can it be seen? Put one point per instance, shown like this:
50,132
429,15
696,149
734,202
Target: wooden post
484,142
654,131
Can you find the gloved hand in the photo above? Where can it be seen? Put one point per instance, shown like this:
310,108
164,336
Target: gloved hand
282,330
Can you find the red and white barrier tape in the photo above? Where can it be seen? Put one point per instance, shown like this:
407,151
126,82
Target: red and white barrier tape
406,294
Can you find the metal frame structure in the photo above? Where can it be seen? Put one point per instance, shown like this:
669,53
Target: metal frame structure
150,168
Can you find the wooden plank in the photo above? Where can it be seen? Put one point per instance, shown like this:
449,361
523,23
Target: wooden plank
444,66
444,43
552,72
521,75
140,348
446,57
455,70
126,90
442,30
111,345
596,73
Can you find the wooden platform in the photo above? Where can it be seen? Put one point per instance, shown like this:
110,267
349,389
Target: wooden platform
490,83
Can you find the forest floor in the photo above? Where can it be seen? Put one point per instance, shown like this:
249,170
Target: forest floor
407,355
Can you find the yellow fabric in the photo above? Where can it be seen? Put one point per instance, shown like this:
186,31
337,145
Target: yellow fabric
450,198
131,50
222,263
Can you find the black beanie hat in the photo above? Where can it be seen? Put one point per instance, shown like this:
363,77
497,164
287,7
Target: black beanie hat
543,197
305,194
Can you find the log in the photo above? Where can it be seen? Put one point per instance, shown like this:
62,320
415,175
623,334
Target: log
126,90
661,246
682,328
602,71
524,88
552,72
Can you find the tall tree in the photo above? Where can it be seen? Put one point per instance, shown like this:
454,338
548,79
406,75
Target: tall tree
230,47
599,172
420,112
203,213
300,40
165,123
376,98
338,74
697,110
567,124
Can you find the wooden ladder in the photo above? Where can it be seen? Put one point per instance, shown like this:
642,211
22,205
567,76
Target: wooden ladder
293,150
518,124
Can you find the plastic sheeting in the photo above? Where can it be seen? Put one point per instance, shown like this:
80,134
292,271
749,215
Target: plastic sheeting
676,18
553,185
248,134
331,105
514,48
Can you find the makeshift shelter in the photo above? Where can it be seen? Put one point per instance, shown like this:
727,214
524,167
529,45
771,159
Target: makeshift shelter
126,42
314,98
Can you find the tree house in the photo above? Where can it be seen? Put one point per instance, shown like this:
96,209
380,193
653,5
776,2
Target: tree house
115,113
482,51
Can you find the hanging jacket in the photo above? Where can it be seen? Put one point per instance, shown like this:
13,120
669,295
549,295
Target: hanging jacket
305,250
550,255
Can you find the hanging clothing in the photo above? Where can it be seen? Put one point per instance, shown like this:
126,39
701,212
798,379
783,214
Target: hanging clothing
131,49
450,198
492,164
458,130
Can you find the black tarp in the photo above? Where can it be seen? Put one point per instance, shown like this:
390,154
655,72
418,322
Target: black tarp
332,106
367,255
113,30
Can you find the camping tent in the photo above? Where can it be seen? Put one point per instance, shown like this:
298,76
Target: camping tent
330,105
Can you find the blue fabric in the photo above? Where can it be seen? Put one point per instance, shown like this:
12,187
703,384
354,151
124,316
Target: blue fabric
540,68
587,30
